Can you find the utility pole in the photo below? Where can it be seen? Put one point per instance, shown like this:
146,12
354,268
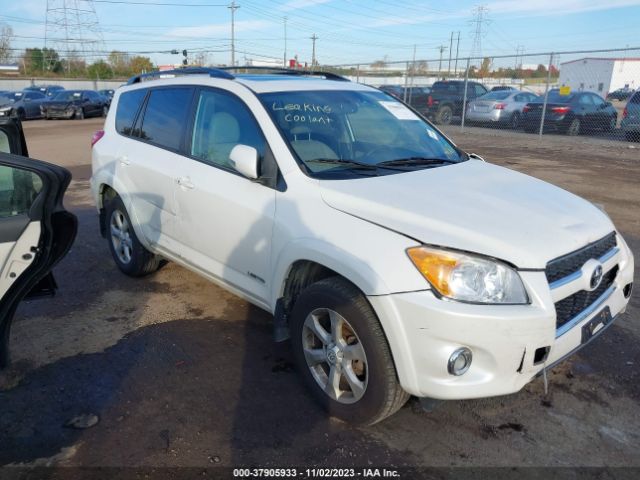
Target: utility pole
450,53
233,7
455,68
285,42
442,48
314,37
519,53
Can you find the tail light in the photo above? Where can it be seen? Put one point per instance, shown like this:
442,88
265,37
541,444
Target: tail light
499,106
430,101
96,136
526,109
625,113
560,110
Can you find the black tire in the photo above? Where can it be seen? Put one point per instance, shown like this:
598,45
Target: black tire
574,127
142,262
21,114
105,111
632,136
79,114
515,121
444,115
382,395
611,126
530,129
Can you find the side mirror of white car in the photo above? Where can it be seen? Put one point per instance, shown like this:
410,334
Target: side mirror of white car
245,160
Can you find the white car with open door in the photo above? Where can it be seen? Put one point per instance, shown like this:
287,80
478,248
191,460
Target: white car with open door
397,263
35,229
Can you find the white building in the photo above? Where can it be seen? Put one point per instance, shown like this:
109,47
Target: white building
600,75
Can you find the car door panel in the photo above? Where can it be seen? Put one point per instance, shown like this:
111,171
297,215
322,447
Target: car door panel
224,220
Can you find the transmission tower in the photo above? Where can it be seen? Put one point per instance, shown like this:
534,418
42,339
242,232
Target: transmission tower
73,31
479,22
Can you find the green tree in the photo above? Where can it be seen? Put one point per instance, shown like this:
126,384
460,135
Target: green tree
99,70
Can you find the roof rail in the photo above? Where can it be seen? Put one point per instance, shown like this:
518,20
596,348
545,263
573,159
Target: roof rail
212,72
290,71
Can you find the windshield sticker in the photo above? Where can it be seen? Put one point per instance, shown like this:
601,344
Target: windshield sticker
77,94
304,112
399,111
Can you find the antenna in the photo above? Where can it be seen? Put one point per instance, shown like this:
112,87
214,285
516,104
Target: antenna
73,31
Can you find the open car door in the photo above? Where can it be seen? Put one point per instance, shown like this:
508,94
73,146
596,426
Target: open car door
35,229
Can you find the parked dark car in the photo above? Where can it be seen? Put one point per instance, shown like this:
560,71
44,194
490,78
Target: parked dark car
31,194
446,99
498,88
571,114
620,94
631,118
415,96
23,105
48,90
76,104
108,93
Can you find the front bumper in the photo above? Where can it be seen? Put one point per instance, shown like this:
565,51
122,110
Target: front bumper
505,340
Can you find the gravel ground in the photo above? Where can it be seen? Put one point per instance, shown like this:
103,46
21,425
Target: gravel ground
181,373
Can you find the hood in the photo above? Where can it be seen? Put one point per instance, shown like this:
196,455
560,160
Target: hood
477,207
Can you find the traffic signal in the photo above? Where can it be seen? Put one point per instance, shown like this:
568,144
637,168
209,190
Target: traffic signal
184,60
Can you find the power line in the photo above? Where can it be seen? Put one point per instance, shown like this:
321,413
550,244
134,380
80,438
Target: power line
164,4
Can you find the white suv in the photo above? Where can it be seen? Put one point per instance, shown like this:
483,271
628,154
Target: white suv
398,264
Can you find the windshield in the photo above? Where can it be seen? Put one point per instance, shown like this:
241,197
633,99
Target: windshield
346,133
11,97
67,96
496,95
555,97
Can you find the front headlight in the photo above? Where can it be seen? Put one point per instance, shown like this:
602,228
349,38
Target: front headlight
469,278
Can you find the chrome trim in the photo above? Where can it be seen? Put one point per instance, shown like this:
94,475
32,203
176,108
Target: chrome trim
564,280
578,273
586,312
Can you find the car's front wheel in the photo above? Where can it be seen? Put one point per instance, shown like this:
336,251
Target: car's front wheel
342,353
80,114
131,257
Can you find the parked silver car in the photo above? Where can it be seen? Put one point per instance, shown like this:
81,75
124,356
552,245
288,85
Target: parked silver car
500,106
631,118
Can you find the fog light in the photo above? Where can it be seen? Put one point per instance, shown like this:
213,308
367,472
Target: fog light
459,361
627,290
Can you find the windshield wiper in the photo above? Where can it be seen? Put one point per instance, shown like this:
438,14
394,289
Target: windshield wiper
338,161
411,161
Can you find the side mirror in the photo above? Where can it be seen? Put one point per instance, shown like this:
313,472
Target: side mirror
245,160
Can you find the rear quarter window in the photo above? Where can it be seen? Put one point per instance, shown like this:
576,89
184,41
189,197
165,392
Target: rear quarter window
165,116
128,107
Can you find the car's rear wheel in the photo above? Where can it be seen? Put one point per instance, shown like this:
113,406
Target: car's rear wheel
574,127
80,114
611,126
342,353
131,257
105,111
444,116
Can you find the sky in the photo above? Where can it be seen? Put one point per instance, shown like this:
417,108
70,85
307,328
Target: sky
348,31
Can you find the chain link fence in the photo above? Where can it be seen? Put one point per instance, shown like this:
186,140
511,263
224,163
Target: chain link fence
572,93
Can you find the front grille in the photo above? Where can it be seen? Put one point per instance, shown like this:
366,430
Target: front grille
572,262
573,305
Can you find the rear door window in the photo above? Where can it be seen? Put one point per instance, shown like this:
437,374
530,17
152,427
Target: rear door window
165,116
128,107
635,99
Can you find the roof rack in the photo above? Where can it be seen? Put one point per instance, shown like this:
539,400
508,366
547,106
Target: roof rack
290,71
212,72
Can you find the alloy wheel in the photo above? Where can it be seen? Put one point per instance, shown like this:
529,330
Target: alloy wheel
121,236
335,356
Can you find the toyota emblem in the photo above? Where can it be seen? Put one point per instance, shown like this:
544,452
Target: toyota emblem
596,277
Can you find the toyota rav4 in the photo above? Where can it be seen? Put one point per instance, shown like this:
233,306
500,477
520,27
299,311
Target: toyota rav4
395,262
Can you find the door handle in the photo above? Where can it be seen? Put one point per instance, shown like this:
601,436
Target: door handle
185,182
124,160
